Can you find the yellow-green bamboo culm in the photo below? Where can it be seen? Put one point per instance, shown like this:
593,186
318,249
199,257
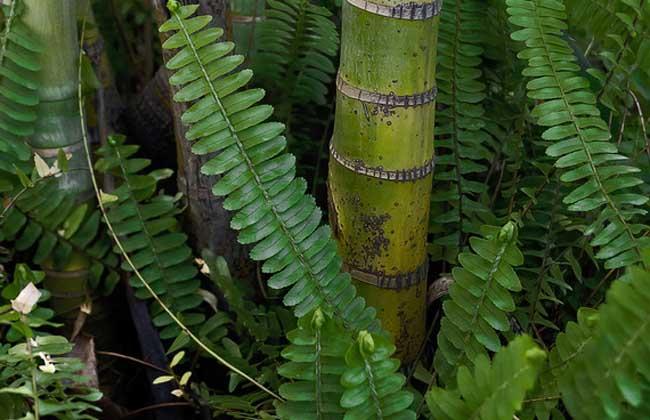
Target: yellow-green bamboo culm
54,24
381,158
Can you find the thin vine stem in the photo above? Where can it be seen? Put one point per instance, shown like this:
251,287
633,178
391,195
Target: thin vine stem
127,258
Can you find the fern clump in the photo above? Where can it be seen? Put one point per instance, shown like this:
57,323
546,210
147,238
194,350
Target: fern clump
480,300
19,67
296,45
460,130
257,175
494,390
609,376
591,164
316,362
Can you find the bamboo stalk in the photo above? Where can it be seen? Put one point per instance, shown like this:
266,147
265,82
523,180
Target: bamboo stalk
54,23
381,158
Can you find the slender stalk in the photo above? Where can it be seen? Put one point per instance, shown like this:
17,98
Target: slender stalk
126,256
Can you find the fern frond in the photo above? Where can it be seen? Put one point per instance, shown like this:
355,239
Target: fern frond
50,222
493,391
296,44
480,299
547,249
620,30
461,139
373,385
19,66
147,225
591,164
258,177
316,362
610,378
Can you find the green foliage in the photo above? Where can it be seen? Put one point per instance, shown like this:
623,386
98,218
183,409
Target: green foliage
257,176
590,163
296,44
609,377
548,253
316,362
259,322
620,30
19,327
37,376
480,299
373,387
50,222
493,391
61,394
147,225
460,130
18,93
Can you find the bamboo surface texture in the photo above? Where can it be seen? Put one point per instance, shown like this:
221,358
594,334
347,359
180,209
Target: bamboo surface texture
381,158
54,24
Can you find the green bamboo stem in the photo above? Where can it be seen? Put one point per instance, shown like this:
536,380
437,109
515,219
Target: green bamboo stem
381,222
53,23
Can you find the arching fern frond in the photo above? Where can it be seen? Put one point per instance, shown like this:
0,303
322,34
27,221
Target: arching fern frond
316,362
480,299
18,93
493,391
373,385
460,142
579,136
48,221
296,44
258,177
609,378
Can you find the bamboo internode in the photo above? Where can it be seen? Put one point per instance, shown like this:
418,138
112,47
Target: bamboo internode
382,158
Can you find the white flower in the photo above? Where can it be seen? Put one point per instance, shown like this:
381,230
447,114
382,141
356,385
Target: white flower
48,366
26,299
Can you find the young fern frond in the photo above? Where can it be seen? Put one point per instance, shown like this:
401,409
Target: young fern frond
460,136
316,362
147,225
373,385
610,377
493,390
258,177
591,164
480,299
19,66
296,44
49,221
